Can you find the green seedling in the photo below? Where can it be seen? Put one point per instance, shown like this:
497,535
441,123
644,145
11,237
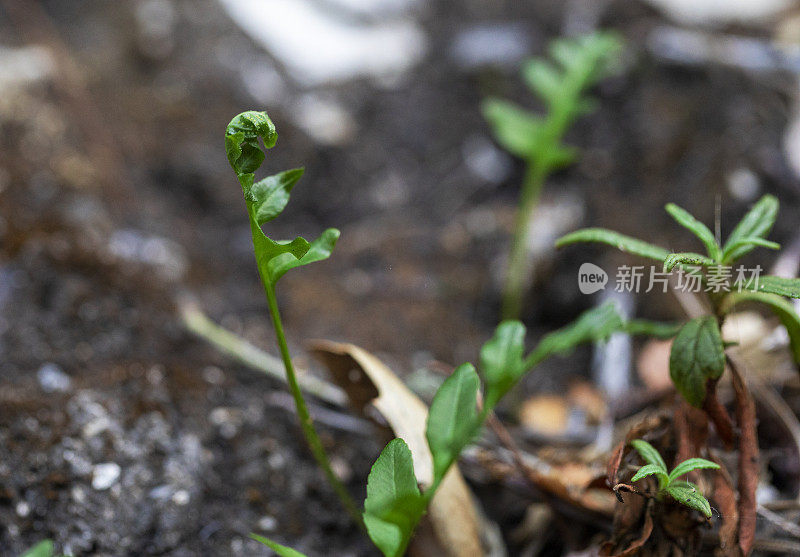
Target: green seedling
44,548
698,352
560,84
265,200
683,492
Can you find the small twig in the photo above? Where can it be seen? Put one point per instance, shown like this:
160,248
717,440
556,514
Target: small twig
719,416
779,521
748,460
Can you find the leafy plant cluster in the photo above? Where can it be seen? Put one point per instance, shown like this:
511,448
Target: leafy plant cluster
684,492
577,64
698,352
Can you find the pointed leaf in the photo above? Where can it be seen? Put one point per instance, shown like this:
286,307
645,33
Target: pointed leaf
394,504
619,241
515,129
268,197
697,355
685,219
756,224
42,549
687,258
281,550
753,242
649,454
789,287
594,325
501,361
691,464
691,498
319,250
651,470
453,418
543,79
783,310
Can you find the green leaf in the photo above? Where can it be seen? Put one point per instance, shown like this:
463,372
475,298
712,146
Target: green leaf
788,287
515,129
754,242
685,485
501,361
44,548
654,329
319,250
687,258
281,550
756,224
269,196
241,141
543,79
689,465
652,470
619,241
649,454
783,310
685,219
394,504
697,355
453,418
691,498
594,325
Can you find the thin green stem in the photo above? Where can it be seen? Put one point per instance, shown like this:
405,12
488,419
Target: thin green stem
518,269
314,442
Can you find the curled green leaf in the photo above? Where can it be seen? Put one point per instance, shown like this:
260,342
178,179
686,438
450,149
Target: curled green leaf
649,454
652,470
687,258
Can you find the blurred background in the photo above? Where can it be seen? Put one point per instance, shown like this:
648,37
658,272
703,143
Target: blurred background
123,434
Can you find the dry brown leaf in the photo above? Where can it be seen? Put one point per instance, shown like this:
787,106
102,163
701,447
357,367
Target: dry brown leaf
453,517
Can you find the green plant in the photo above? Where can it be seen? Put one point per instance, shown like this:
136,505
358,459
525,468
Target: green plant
683,492
698,355
44,548
265,200
579,64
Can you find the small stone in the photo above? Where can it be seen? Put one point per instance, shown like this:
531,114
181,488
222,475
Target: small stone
105,475
267,523
181,497
23,509
53,379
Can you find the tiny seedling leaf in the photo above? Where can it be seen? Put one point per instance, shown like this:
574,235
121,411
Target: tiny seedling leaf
649,454
501,361
689,465
685,219
516,129
281,550
619,241
394,504
543,79
651,470
756,224
44,548
789,287
270,195
655,329
697,355
593,325
453,418
319,250
754,242
687,258
691,498
782,308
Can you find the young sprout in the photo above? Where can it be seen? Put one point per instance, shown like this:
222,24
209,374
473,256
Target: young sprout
683,492
560,84
265,200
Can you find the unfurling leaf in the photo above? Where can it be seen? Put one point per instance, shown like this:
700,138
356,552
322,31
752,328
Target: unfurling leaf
756,224
394,504
281,550
652,470
619,241
689,465
782,308
649,454
453,418
691,498
318,250
688,258
501,361
685,219
697,355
